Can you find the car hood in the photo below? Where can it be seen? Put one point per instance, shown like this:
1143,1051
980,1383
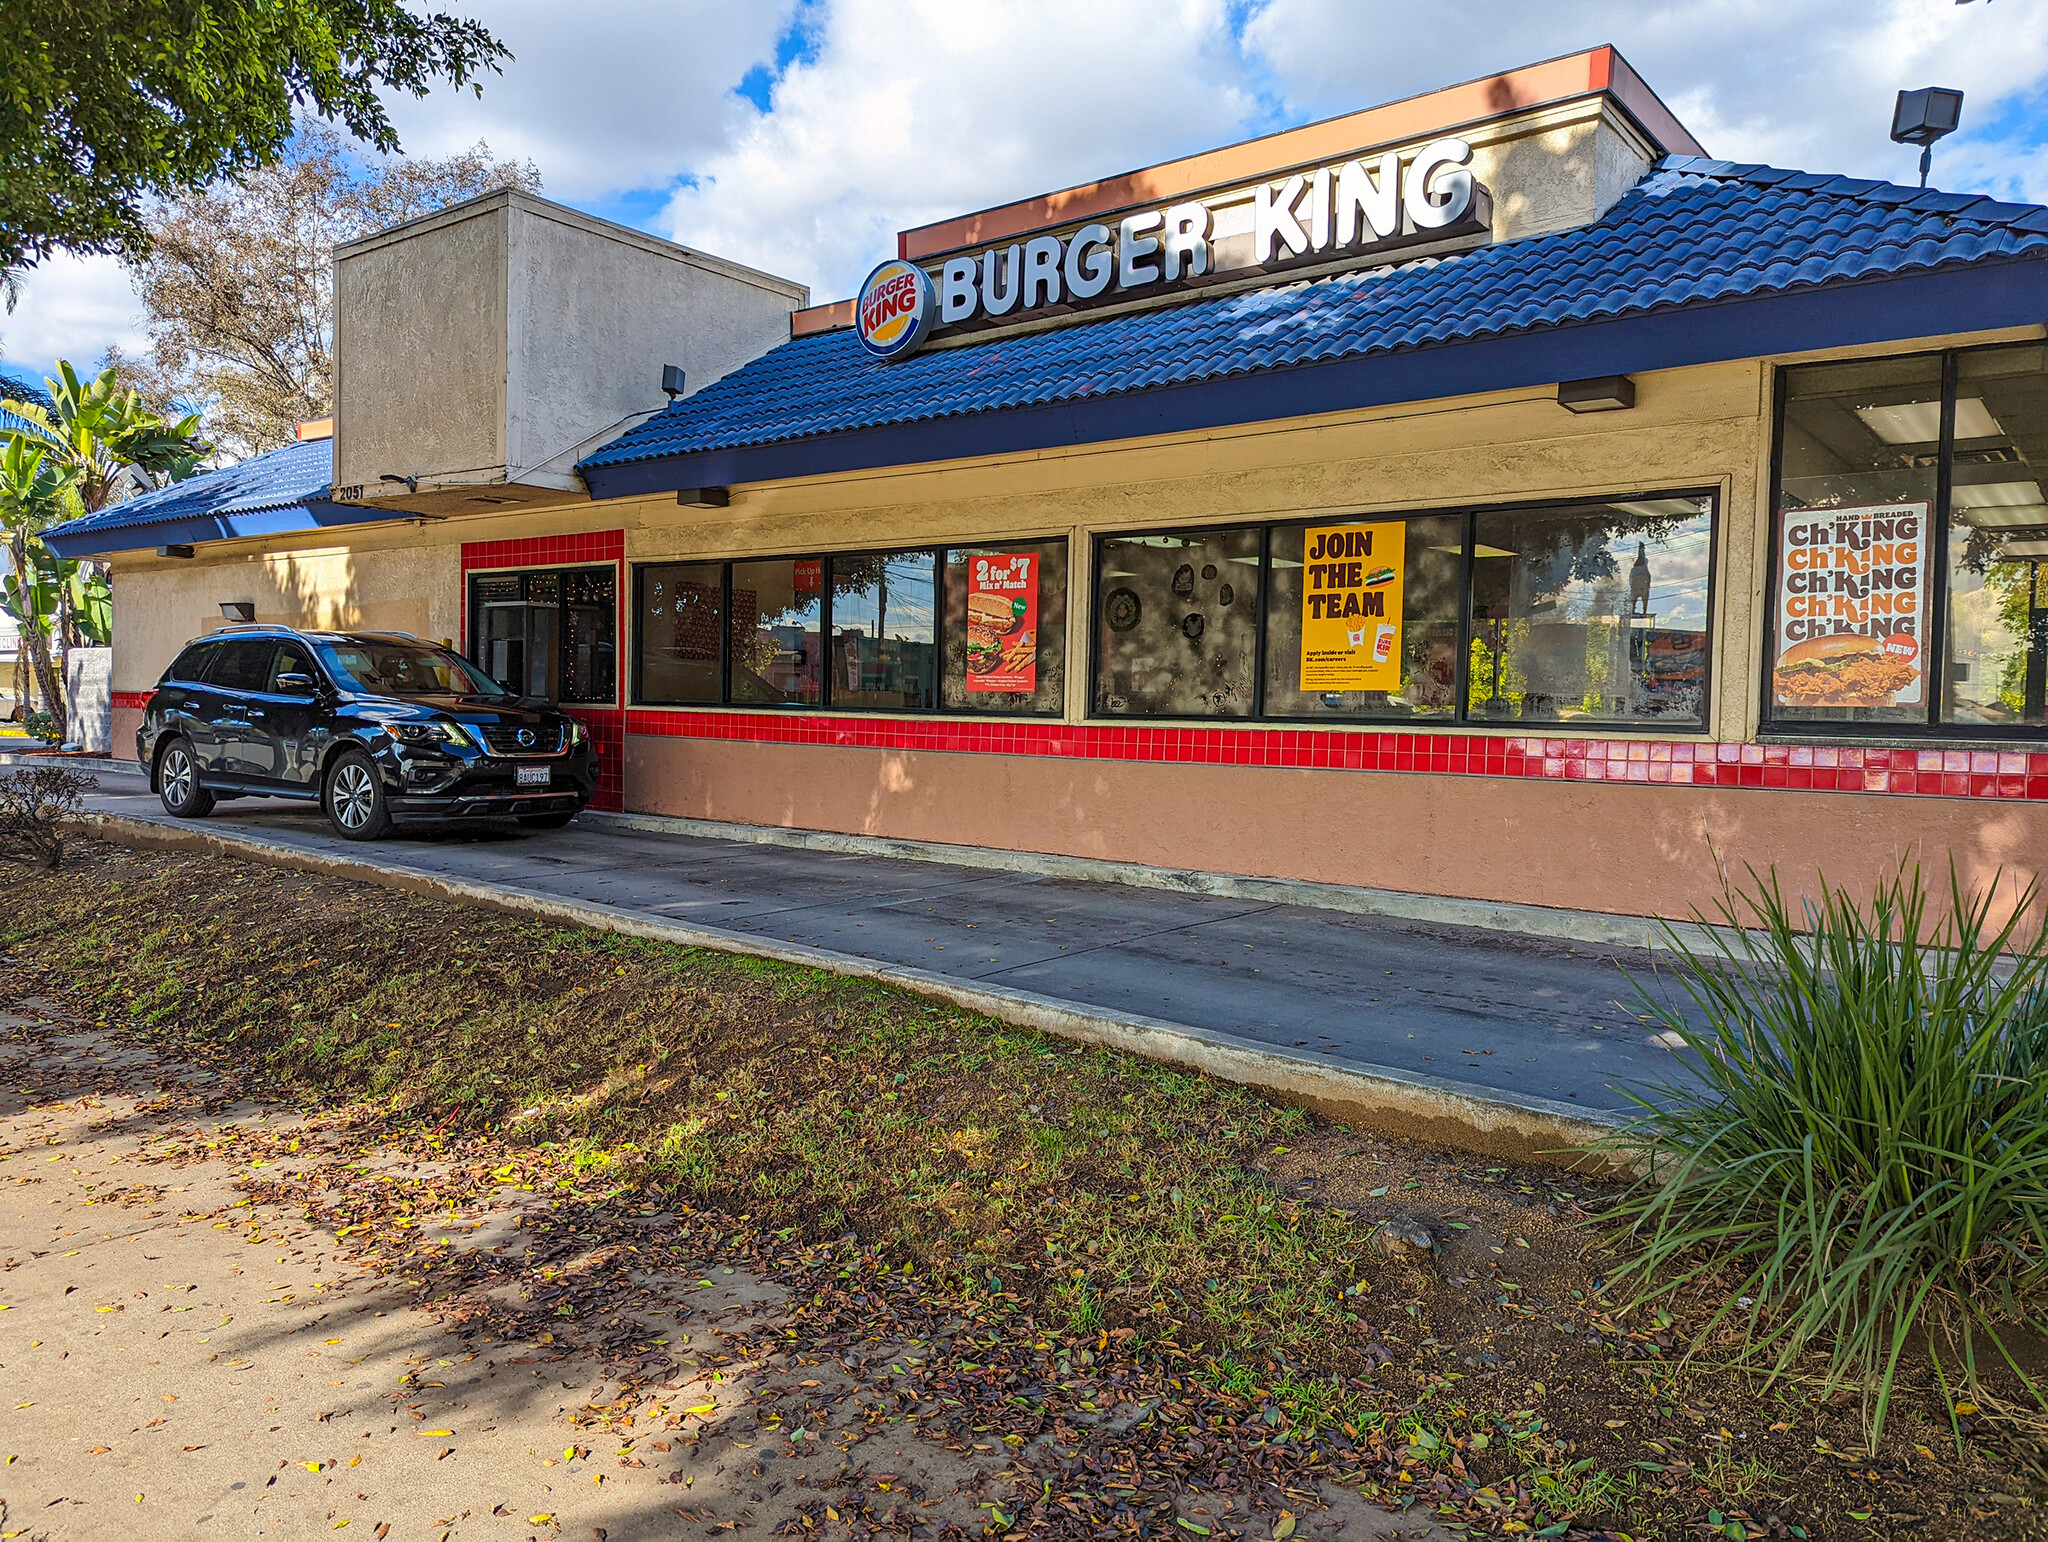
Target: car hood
473,709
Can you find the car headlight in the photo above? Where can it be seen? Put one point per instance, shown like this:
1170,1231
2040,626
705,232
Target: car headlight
435,732
578,734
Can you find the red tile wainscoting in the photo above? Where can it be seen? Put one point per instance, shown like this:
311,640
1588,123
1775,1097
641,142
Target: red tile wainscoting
1806,768
607,725
134,701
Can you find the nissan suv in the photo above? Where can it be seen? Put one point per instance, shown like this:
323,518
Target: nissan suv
377,727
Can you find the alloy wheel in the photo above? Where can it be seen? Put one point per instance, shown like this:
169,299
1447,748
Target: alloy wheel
177,777
355,795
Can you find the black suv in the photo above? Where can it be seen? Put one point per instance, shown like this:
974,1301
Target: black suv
379,727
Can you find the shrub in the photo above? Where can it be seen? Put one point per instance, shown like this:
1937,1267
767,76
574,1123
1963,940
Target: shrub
37,803
1864,1153
40,725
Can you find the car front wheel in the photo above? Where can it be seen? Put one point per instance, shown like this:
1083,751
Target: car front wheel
177,783
355,801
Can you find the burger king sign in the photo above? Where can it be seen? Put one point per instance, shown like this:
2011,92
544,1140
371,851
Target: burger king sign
895,309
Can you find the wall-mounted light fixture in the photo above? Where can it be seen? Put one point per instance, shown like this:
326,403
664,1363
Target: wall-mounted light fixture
672,380
238,610
1607,393
174,551
704,497
412,484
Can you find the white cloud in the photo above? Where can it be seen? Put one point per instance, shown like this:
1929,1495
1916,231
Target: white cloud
605,98
1801,83
913,110
71,308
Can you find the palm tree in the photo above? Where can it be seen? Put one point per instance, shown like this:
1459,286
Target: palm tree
99,444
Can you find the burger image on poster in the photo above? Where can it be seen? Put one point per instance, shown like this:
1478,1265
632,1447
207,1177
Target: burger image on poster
1845,670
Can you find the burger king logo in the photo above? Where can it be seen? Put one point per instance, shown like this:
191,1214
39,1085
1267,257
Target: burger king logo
895,309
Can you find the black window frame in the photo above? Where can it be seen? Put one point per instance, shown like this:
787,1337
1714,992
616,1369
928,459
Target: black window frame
1771,726
473,609
1460,718
940,551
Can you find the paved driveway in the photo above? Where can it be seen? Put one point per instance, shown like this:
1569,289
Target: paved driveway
1496,1012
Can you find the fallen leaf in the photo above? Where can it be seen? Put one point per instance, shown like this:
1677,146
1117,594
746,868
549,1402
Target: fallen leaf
437,1434
99,1450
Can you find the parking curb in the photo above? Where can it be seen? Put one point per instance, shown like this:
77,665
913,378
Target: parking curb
1380,1099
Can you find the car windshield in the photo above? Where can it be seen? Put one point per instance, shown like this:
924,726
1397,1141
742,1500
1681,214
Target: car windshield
406,669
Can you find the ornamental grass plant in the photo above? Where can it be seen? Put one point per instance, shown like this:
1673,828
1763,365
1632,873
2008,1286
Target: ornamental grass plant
1860,1165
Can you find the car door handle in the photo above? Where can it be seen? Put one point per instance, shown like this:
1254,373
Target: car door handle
255,711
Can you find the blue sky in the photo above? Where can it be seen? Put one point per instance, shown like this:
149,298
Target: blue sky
799,135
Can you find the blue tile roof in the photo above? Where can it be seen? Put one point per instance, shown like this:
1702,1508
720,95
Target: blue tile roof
297,475
1692,232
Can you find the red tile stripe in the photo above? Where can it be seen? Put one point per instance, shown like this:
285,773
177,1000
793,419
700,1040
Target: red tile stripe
132,700
1808,768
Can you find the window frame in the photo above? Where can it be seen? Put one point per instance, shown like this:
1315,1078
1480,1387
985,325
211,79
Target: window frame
1933,728
1460,718
940,552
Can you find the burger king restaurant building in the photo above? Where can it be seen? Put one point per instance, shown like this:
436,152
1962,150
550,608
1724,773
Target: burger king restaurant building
1487,494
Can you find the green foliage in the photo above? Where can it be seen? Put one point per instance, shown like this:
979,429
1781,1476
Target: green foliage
40,725
1864,1155
105,106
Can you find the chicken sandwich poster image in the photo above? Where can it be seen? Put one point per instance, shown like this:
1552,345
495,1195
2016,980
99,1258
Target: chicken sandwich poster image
1852,607
1351,607
1002,623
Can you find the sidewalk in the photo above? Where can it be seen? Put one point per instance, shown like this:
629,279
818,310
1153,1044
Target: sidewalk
1485,1013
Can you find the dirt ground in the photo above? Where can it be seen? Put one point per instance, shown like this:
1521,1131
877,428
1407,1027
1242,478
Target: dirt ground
546,1233
306,1392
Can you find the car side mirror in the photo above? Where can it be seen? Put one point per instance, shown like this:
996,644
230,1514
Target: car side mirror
294,681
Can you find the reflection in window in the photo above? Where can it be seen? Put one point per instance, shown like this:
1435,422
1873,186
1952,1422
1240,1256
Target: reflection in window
1177,624
884,630
1593,613
1857,478
1000,657
1428,629
777,653
681,606
1997,663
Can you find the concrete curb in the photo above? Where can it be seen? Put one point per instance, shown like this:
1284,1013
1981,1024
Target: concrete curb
89,765
1381,1099
1590,926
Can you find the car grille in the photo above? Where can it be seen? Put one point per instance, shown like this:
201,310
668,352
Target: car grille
503,738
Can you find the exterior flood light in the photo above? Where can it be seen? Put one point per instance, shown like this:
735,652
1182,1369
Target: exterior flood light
672,380
1606,393
704,497
238,610
1921,117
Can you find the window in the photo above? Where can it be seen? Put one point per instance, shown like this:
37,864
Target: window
778,617
190,666
978,629
885,630
681,632
1177,624
550,633
1006,628
1592,613
1907,592
1420,678
292,658
242,666
398,666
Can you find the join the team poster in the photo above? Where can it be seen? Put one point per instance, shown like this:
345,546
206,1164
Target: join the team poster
1351,607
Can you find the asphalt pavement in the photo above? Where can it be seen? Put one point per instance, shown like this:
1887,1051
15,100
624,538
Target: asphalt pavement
1490,1011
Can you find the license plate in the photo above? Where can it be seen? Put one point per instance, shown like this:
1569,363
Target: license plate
533,776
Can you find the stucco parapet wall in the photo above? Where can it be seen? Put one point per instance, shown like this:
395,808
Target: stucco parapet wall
562,214
1383,1100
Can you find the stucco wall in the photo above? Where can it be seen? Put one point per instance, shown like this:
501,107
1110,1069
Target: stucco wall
1623,849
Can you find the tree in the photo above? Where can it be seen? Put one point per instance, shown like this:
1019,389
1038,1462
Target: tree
91,446
107,105
238,282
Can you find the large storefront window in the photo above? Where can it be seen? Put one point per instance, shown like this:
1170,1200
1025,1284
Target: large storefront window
1911,529
1592,613
968,629
1589,613
550,633
1177,624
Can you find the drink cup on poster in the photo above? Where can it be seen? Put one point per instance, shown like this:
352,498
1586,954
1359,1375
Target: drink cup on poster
1002,623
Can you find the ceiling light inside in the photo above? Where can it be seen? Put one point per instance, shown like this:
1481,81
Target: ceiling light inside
1920,422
